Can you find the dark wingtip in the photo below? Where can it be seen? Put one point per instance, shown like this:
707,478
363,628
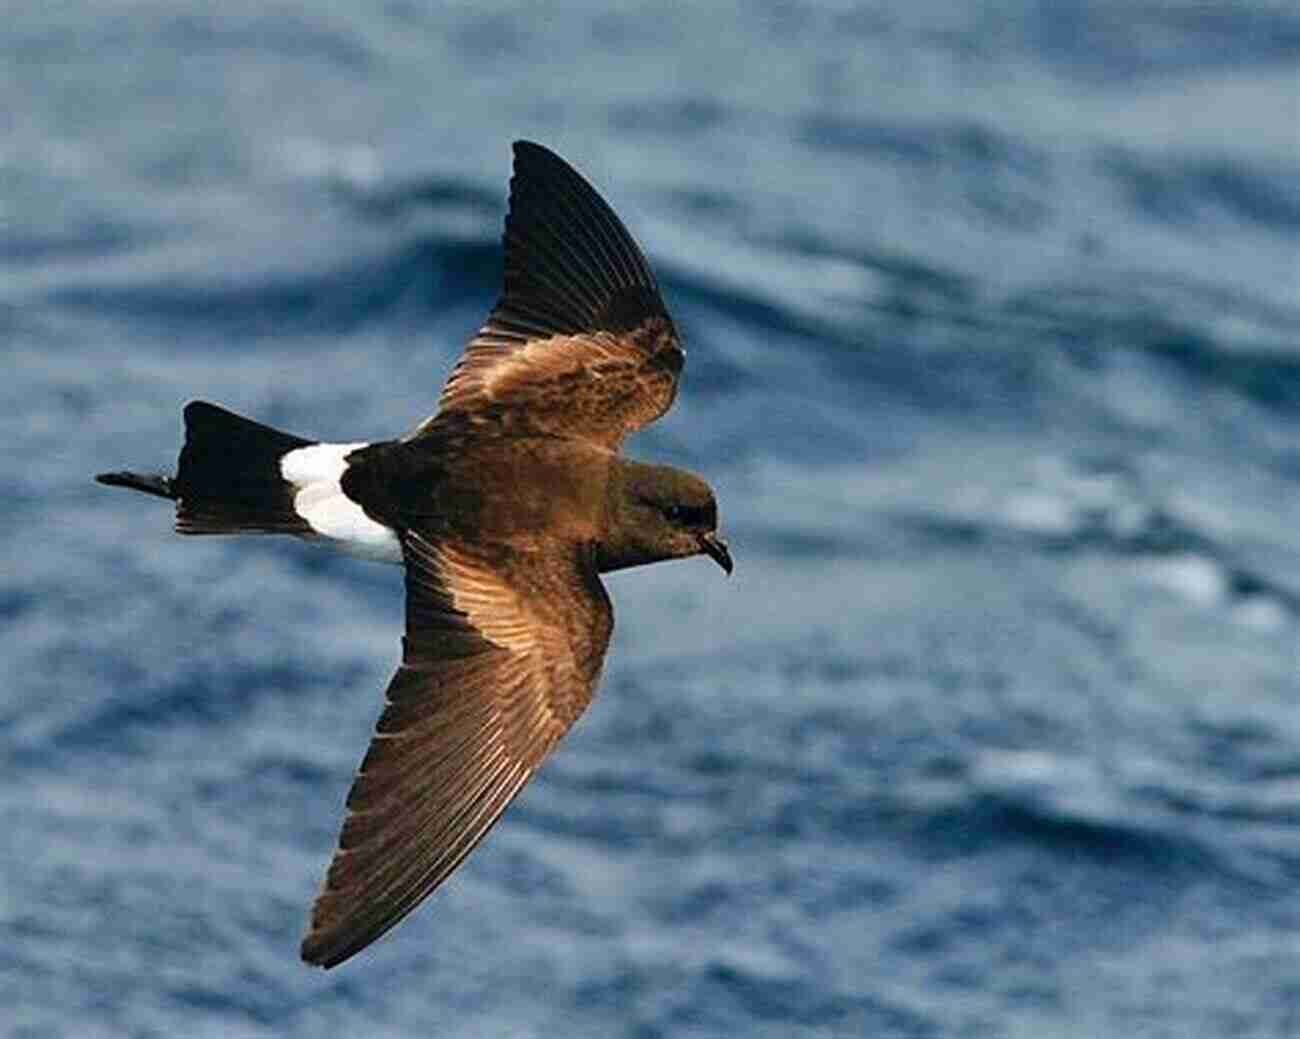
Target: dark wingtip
149,483
571,265
314,956
322,949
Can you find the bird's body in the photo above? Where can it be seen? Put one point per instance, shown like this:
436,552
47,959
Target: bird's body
553,489
504,507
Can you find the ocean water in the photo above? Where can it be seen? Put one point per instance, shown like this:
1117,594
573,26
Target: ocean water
993,325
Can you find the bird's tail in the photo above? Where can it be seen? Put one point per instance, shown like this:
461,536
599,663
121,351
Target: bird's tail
228,480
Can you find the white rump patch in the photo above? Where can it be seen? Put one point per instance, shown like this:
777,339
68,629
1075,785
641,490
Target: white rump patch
315,473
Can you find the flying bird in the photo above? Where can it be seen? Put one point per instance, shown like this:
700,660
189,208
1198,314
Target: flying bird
504,506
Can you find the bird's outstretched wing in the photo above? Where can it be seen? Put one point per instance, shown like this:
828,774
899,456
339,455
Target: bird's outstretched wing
501,655
580,344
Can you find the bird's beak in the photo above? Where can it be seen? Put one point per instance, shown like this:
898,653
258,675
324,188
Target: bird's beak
716,548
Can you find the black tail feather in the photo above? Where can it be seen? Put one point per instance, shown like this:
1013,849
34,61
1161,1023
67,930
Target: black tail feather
228,480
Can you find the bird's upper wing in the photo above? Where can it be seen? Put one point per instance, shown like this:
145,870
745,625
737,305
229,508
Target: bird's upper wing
501,655
580,344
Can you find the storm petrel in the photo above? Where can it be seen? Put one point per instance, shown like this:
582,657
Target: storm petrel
504,506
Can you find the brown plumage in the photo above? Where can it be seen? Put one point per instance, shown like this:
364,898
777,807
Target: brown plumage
504,506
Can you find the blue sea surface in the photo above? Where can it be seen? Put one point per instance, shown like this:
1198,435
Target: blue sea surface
992,314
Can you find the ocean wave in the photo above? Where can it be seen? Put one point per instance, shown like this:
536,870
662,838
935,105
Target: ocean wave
1210,190
403,279
1129,41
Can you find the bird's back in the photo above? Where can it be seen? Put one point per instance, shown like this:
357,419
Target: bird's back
490,487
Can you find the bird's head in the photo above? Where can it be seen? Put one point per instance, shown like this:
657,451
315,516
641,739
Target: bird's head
659,512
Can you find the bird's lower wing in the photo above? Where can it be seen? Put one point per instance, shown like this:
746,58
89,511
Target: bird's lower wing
501,655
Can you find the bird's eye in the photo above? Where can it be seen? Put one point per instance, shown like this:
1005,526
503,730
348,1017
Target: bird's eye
688,515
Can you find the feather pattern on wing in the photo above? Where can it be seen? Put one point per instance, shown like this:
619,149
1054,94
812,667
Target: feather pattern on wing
501,655
580,343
